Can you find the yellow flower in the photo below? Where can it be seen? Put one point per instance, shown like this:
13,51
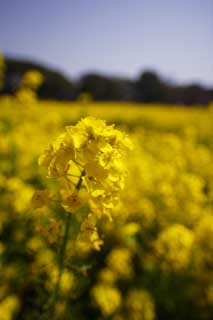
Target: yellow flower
71,202
89,232
174,247
32,79
8,307
140,305
46,157
98,151
119,260
107,298
42,198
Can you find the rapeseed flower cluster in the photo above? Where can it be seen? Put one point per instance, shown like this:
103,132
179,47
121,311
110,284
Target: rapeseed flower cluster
88,162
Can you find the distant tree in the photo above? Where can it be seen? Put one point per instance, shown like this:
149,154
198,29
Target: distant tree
2,70
210,95
150,88
56,86
95,85
194,94
102,88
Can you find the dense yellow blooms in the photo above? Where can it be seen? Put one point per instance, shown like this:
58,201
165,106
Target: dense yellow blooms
107,298
8,307
174,246
140,305
152,235
66,283
119,261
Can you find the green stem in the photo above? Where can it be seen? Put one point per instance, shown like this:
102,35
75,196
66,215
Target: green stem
62,254
78,185
50,307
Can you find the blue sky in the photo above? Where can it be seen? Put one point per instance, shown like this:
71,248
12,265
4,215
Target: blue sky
124,37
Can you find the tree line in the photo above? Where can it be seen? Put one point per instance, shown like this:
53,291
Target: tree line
149,87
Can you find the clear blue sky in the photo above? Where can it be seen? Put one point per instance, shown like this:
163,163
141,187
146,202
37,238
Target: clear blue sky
173,37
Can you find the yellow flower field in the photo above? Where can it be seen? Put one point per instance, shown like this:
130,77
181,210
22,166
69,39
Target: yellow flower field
140,238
